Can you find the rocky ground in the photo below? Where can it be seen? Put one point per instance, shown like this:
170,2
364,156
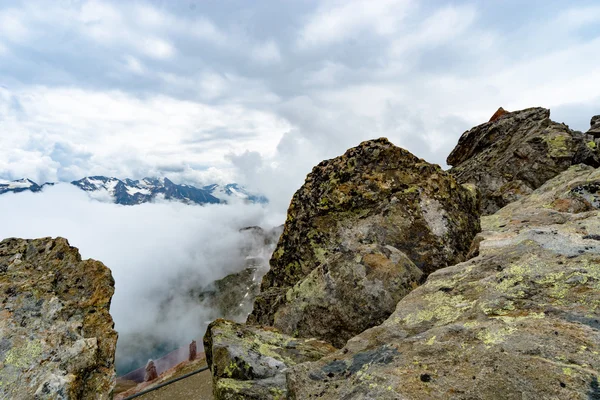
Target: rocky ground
385,284
516,317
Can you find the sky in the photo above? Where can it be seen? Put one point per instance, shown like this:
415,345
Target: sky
259,92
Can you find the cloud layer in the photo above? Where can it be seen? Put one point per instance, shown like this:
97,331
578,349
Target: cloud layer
157,253
197,90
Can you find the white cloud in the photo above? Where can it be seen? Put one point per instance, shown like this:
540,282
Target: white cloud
12,26
578,17
134,65
335,21
157,48
123,130
266,53
156,252
444,26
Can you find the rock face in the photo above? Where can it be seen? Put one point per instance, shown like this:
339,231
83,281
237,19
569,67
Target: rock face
250,363
509,157
595,126
363,230
518,321
56,333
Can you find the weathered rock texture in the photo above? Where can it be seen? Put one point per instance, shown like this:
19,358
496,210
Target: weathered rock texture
250,362
360,234
509,157
56,334
595,126
519,321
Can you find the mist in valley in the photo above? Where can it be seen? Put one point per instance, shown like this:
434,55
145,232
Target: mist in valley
162,256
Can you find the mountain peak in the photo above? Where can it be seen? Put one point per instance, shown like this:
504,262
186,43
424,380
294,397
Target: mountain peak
131,192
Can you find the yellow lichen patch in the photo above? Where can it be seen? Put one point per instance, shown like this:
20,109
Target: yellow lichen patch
490,337
511,319
431,341
558,146
440,308
23,356
511,278
591,145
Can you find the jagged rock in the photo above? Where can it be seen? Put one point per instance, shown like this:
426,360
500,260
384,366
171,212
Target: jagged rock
510,157
521,320
56,333
359,235
250,362
594,126
500,112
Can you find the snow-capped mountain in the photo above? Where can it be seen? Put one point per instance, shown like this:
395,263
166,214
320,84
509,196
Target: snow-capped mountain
131,192
20,185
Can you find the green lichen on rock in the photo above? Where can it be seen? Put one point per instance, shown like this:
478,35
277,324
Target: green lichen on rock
363,230
520,320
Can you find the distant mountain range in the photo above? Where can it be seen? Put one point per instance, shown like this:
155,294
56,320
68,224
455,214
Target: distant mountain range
132,192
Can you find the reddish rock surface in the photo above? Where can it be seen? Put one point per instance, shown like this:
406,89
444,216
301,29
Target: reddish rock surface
500,112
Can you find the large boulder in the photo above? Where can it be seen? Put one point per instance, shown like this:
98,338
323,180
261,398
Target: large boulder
515,153
363,230
249,362
519,321
56,334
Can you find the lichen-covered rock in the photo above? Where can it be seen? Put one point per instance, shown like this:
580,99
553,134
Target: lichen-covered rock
56,334
360,234
249,362
519,321
507,158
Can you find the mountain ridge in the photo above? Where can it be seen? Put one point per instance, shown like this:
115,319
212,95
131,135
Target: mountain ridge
133,192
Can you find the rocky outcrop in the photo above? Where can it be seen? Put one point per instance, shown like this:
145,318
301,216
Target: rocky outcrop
499,112
510,156
250,362
518,321
594,126
364,230
56,333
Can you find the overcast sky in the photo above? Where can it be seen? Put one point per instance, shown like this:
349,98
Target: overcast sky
260,91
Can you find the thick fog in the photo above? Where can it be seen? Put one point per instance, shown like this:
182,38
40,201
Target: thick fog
157,252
